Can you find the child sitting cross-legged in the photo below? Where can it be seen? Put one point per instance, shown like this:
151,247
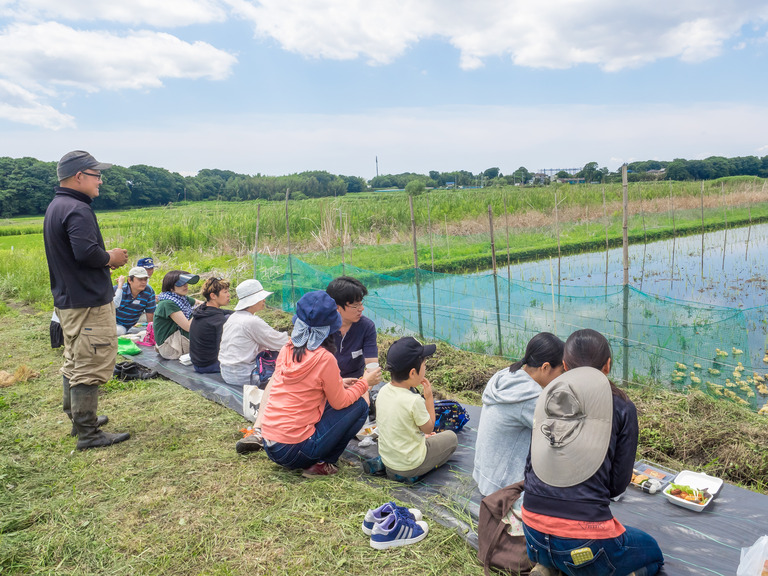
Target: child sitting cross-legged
408,445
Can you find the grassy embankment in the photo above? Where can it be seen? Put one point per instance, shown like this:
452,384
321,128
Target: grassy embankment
219,237
177,499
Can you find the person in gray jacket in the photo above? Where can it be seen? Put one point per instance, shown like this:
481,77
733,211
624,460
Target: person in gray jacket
506,420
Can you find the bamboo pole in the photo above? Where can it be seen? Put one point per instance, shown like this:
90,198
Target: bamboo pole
416,266
605,220
447,243
554,309
645,239
674,237
432,255
557,227
509,264
702,229
625,250
256,243
495,278
725,217
288,239
341,245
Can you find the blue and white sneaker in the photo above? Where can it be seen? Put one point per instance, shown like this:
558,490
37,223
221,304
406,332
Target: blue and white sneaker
397,530
375,516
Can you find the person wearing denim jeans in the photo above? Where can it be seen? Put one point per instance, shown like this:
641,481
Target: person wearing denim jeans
332,434
310,412
614,556
583,447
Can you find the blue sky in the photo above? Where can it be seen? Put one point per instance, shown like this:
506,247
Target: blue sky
276,87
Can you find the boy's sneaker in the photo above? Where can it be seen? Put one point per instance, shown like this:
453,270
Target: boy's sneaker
397,530
320,469
375,516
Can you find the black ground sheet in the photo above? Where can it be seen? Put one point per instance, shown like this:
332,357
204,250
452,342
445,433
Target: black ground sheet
694,543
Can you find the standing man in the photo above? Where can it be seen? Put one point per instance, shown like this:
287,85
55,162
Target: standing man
137,298
79,268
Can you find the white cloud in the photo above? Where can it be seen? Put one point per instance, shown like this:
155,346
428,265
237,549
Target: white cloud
48,54
165,13
543,34
20,105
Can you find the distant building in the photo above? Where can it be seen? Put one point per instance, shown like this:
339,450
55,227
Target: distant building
571,180
450,184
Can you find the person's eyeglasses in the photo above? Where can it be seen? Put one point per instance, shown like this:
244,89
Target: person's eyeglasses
94,175
357,306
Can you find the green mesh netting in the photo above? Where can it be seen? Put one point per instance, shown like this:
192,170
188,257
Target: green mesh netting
684,344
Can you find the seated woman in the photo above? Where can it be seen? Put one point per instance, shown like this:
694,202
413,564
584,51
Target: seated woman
245,335
312,413
582,453
504,431
205,331
172,314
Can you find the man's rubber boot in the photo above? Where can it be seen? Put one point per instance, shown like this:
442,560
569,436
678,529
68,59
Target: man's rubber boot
67,404
85,401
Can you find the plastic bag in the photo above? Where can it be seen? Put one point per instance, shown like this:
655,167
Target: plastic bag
754,560
126,347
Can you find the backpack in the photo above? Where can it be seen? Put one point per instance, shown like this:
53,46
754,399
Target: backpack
265,367
496,547
449,415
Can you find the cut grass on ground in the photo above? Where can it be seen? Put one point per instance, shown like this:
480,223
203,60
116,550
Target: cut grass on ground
177,499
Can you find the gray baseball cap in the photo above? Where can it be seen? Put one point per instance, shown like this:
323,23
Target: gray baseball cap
77,161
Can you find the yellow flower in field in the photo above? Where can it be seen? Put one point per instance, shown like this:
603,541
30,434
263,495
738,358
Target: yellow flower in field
764,410
736,351
697,365
695,379
721,353
750,394
714,371
758,378
681,366
765,359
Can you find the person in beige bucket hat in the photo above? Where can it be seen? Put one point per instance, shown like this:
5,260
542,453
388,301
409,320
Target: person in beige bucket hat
583,450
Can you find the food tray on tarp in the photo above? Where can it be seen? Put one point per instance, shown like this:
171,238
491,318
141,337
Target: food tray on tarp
698,481
662,474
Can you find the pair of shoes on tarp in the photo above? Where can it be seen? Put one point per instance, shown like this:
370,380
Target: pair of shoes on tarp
391,525
133,371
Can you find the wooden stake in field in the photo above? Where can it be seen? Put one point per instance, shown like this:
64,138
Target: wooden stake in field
288,238
416,266
645,239
256,244
509,264
725,218
702,229
447,244
554,309
605,220
495,278
432,255
341,244
674,237
625,251
557,228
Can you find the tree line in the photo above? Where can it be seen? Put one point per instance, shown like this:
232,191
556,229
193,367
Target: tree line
26,184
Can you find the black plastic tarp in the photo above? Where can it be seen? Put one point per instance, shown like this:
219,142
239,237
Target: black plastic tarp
694,543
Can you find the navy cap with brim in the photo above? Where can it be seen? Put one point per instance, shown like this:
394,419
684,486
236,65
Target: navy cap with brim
405,351
77,161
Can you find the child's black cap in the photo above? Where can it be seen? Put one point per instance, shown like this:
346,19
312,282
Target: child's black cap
404,353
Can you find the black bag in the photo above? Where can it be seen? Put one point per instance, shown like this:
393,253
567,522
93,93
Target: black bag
265,367
132,371
496,547
57,335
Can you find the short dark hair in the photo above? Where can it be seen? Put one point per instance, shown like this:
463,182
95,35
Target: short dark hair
170,279
588,347
405,373
214,286
346,290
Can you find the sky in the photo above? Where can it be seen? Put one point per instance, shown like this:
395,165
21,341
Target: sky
276,87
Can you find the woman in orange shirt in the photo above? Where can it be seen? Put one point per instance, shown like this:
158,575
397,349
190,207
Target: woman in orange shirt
311,413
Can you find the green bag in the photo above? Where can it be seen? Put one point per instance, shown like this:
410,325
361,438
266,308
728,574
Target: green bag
127,347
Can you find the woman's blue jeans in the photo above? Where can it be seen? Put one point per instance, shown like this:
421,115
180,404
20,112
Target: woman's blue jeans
634,552
332,434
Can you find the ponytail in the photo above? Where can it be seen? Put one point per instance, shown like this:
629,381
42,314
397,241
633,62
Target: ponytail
543,348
